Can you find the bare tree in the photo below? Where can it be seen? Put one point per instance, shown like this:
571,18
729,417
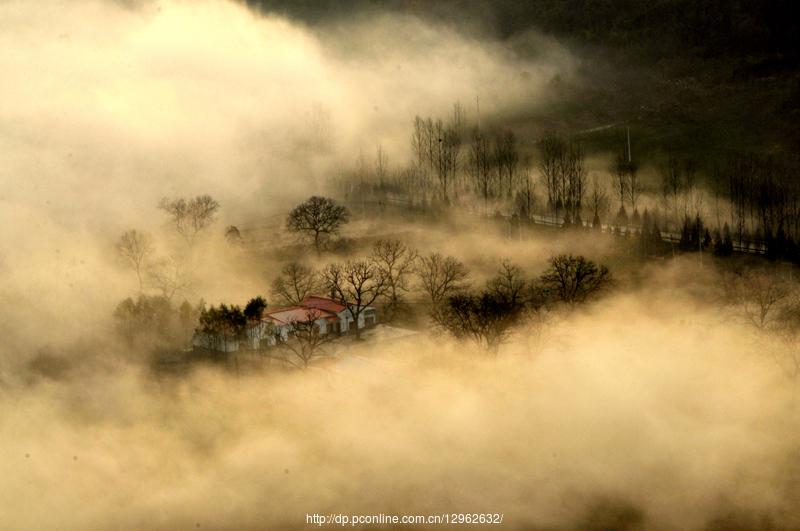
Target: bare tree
671,184
297,281
512,159
437,155
459,119
317,217
575,180
485,318
192,216
769,302
506,156
441,276
136,249
357,284
717,192
448,156
480,166
396,262
170,276
759,294
509,283
552,153
381,165
437,147
304,341
598,201
419,142
621,177
788,359
526,198
572,279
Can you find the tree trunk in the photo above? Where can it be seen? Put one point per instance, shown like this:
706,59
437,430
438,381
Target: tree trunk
355,323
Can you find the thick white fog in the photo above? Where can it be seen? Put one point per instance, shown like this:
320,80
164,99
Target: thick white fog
647,410
107,107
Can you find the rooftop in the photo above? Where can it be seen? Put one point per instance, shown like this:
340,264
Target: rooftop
298,313
323,303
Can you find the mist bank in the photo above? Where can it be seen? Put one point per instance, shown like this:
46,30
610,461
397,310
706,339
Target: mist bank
110,106
643,409
257,101
615,418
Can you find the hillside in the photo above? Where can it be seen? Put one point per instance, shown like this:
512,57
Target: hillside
702,78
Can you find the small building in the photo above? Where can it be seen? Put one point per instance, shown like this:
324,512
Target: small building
331,316
282,321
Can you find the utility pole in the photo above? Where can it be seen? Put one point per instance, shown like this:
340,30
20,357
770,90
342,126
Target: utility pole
441,169
629,144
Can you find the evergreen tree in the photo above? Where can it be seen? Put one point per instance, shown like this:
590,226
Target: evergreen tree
644,244
685,243
727,242
254,309
696,233
707,241
646,219
791,250
636,219
776,247
655,238
717,242
622,217
222,325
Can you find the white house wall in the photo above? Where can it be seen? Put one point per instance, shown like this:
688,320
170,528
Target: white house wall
347,320
345,325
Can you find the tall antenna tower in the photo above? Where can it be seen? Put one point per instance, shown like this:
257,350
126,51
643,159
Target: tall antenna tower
629,144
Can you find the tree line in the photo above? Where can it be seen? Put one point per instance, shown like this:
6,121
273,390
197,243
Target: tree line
389,277
458,164
394,273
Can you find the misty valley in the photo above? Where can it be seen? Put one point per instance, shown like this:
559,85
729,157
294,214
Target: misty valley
497,264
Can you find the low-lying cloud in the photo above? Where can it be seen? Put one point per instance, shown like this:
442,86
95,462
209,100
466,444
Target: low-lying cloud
643,411
106,107
618,418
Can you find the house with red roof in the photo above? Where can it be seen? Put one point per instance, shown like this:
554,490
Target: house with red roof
329,315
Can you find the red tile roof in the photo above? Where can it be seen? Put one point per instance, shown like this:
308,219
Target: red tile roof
323,303
311,305
298,313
